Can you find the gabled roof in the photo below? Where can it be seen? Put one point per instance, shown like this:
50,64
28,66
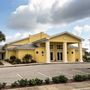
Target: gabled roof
77,37
76,47
17,40
25,46
40,41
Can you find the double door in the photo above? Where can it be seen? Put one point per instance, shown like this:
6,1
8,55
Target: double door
57,57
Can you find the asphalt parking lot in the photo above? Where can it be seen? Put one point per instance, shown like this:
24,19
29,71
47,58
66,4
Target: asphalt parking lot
11,74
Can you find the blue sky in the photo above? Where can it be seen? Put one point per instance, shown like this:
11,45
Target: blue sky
6,8
19,18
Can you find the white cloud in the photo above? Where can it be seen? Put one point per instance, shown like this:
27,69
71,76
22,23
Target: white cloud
15,37
86,44
79,29
41,13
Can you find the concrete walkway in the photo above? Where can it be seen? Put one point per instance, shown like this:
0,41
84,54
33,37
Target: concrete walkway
6,63
67,86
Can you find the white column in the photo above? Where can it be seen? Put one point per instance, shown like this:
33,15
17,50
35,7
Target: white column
65,52
47,52
80,51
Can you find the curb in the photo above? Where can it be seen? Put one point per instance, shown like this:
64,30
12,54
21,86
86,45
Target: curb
34,64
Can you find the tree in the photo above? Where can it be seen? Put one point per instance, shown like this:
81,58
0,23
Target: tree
2,37
86,57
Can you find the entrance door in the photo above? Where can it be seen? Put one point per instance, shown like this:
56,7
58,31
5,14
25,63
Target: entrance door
59,55
51,56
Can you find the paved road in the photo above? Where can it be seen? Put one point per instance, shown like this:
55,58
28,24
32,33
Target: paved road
12,74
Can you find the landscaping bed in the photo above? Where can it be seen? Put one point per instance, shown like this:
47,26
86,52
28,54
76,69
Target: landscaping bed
1,63
25,60
36,82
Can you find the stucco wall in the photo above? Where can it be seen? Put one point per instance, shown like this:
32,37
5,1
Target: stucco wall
64,38
22,53
9,53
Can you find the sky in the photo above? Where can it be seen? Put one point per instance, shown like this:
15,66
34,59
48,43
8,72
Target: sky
19,18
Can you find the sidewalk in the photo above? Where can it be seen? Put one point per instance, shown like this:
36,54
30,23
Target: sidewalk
6,63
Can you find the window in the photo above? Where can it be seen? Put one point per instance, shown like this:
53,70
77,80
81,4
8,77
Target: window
51,46
36,52
42,53
51,55
59,46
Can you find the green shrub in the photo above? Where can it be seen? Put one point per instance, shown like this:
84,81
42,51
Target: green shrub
12,59
80,78
88,76
59,79
33,61
18,61
38,81
27,58
2,85
55,79
7,60
23,82
47,81
15,84
63,79
32,82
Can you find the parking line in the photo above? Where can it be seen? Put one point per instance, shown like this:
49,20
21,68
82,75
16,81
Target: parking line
44,75
19,75
87,88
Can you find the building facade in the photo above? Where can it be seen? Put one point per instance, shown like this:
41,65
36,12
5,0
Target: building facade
46,49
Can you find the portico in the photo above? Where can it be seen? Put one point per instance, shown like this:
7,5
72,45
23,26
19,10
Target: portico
52,54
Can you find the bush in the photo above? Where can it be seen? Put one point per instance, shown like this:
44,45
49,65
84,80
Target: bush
88,76
80,78
12,57
15,84
13,60
32,82
47,81
63,79
59,79
23,82
7,60
38,81
2,85
27,58
55,79
33,61
18,61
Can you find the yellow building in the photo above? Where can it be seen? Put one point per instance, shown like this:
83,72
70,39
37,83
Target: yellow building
46,49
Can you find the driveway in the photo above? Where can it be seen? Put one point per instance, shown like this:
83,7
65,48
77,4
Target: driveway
11,74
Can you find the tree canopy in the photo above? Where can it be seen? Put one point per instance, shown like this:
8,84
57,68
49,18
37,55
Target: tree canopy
2,37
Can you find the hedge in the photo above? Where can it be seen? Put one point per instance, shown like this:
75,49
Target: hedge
37,81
